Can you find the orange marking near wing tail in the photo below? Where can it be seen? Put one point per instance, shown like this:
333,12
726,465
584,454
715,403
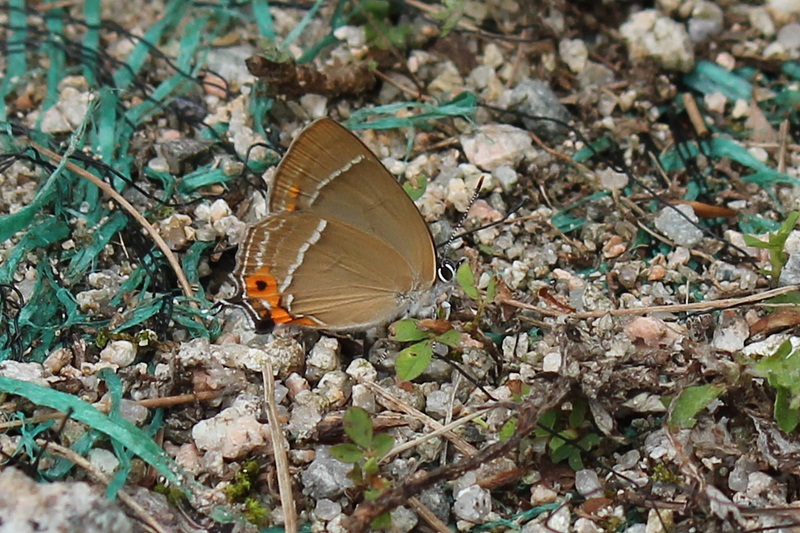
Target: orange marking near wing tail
262,285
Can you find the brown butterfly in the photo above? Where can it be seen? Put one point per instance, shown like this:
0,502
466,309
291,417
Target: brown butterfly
344,247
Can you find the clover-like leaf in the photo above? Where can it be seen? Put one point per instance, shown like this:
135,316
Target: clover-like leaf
358,426
451,338
466,280
407,330
382,444
414,360
347,452
691,401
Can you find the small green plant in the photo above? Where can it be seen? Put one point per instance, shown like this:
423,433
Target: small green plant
775,245
691,401
380,32
567,444
241,491
782,372
416,189
413,360
466,280
365,454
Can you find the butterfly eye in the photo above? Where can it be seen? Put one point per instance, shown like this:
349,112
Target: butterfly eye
446,270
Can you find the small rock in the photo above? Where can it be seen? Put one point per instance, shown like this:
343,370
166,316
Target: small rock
403,520
551,362
68,113
507,177
327,509
315,105
30,372
676,226
495,145
659,521
28,507
515,347
305,416
323,358
705,22
535,98
233,433
57,360
436,403
587,483
574,53
364,398
285,354
790,275
472,504
731,332
783,10
335,388
437,501
628,460
362,370
596,75
651,35
103,460
789,37
120,353
326,477
761,20
611,180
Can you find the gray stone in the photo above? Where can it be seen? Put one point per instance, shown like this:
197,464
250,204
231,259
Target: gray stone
326,477
60,507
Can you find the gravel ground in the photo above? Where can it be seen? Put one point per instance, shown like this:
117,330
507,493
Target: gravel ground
617,352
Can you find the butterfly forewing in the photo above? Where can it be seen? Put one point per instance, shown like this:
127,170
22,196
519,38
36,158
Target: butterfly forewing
328,171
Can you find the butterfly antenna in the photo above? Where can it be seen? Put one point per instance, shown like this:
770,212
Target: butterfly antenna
447,268
455,233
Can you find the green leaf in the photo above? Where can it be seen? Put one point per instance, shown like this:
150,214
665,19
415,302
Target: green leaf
508,429
358,426
691,401
454,10
416,192
578,414
451,338
356,475
782,372
382,444
371,467
407,330
466,280
589,441
561,452
786,416
414,360
491,288
383,522
547,423
347,452
575,462
755,242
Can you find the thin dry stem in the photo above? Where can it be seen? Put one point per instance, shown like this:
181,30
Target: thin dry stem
130,209
279,450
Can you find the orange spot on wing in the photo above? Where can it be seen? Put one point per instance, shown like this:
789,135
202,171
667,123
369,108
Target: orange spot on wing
294,194
263,286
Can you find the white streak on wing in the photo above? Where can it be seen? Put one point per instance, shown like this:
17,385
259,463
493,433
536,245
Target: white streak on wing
321,185
301,255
